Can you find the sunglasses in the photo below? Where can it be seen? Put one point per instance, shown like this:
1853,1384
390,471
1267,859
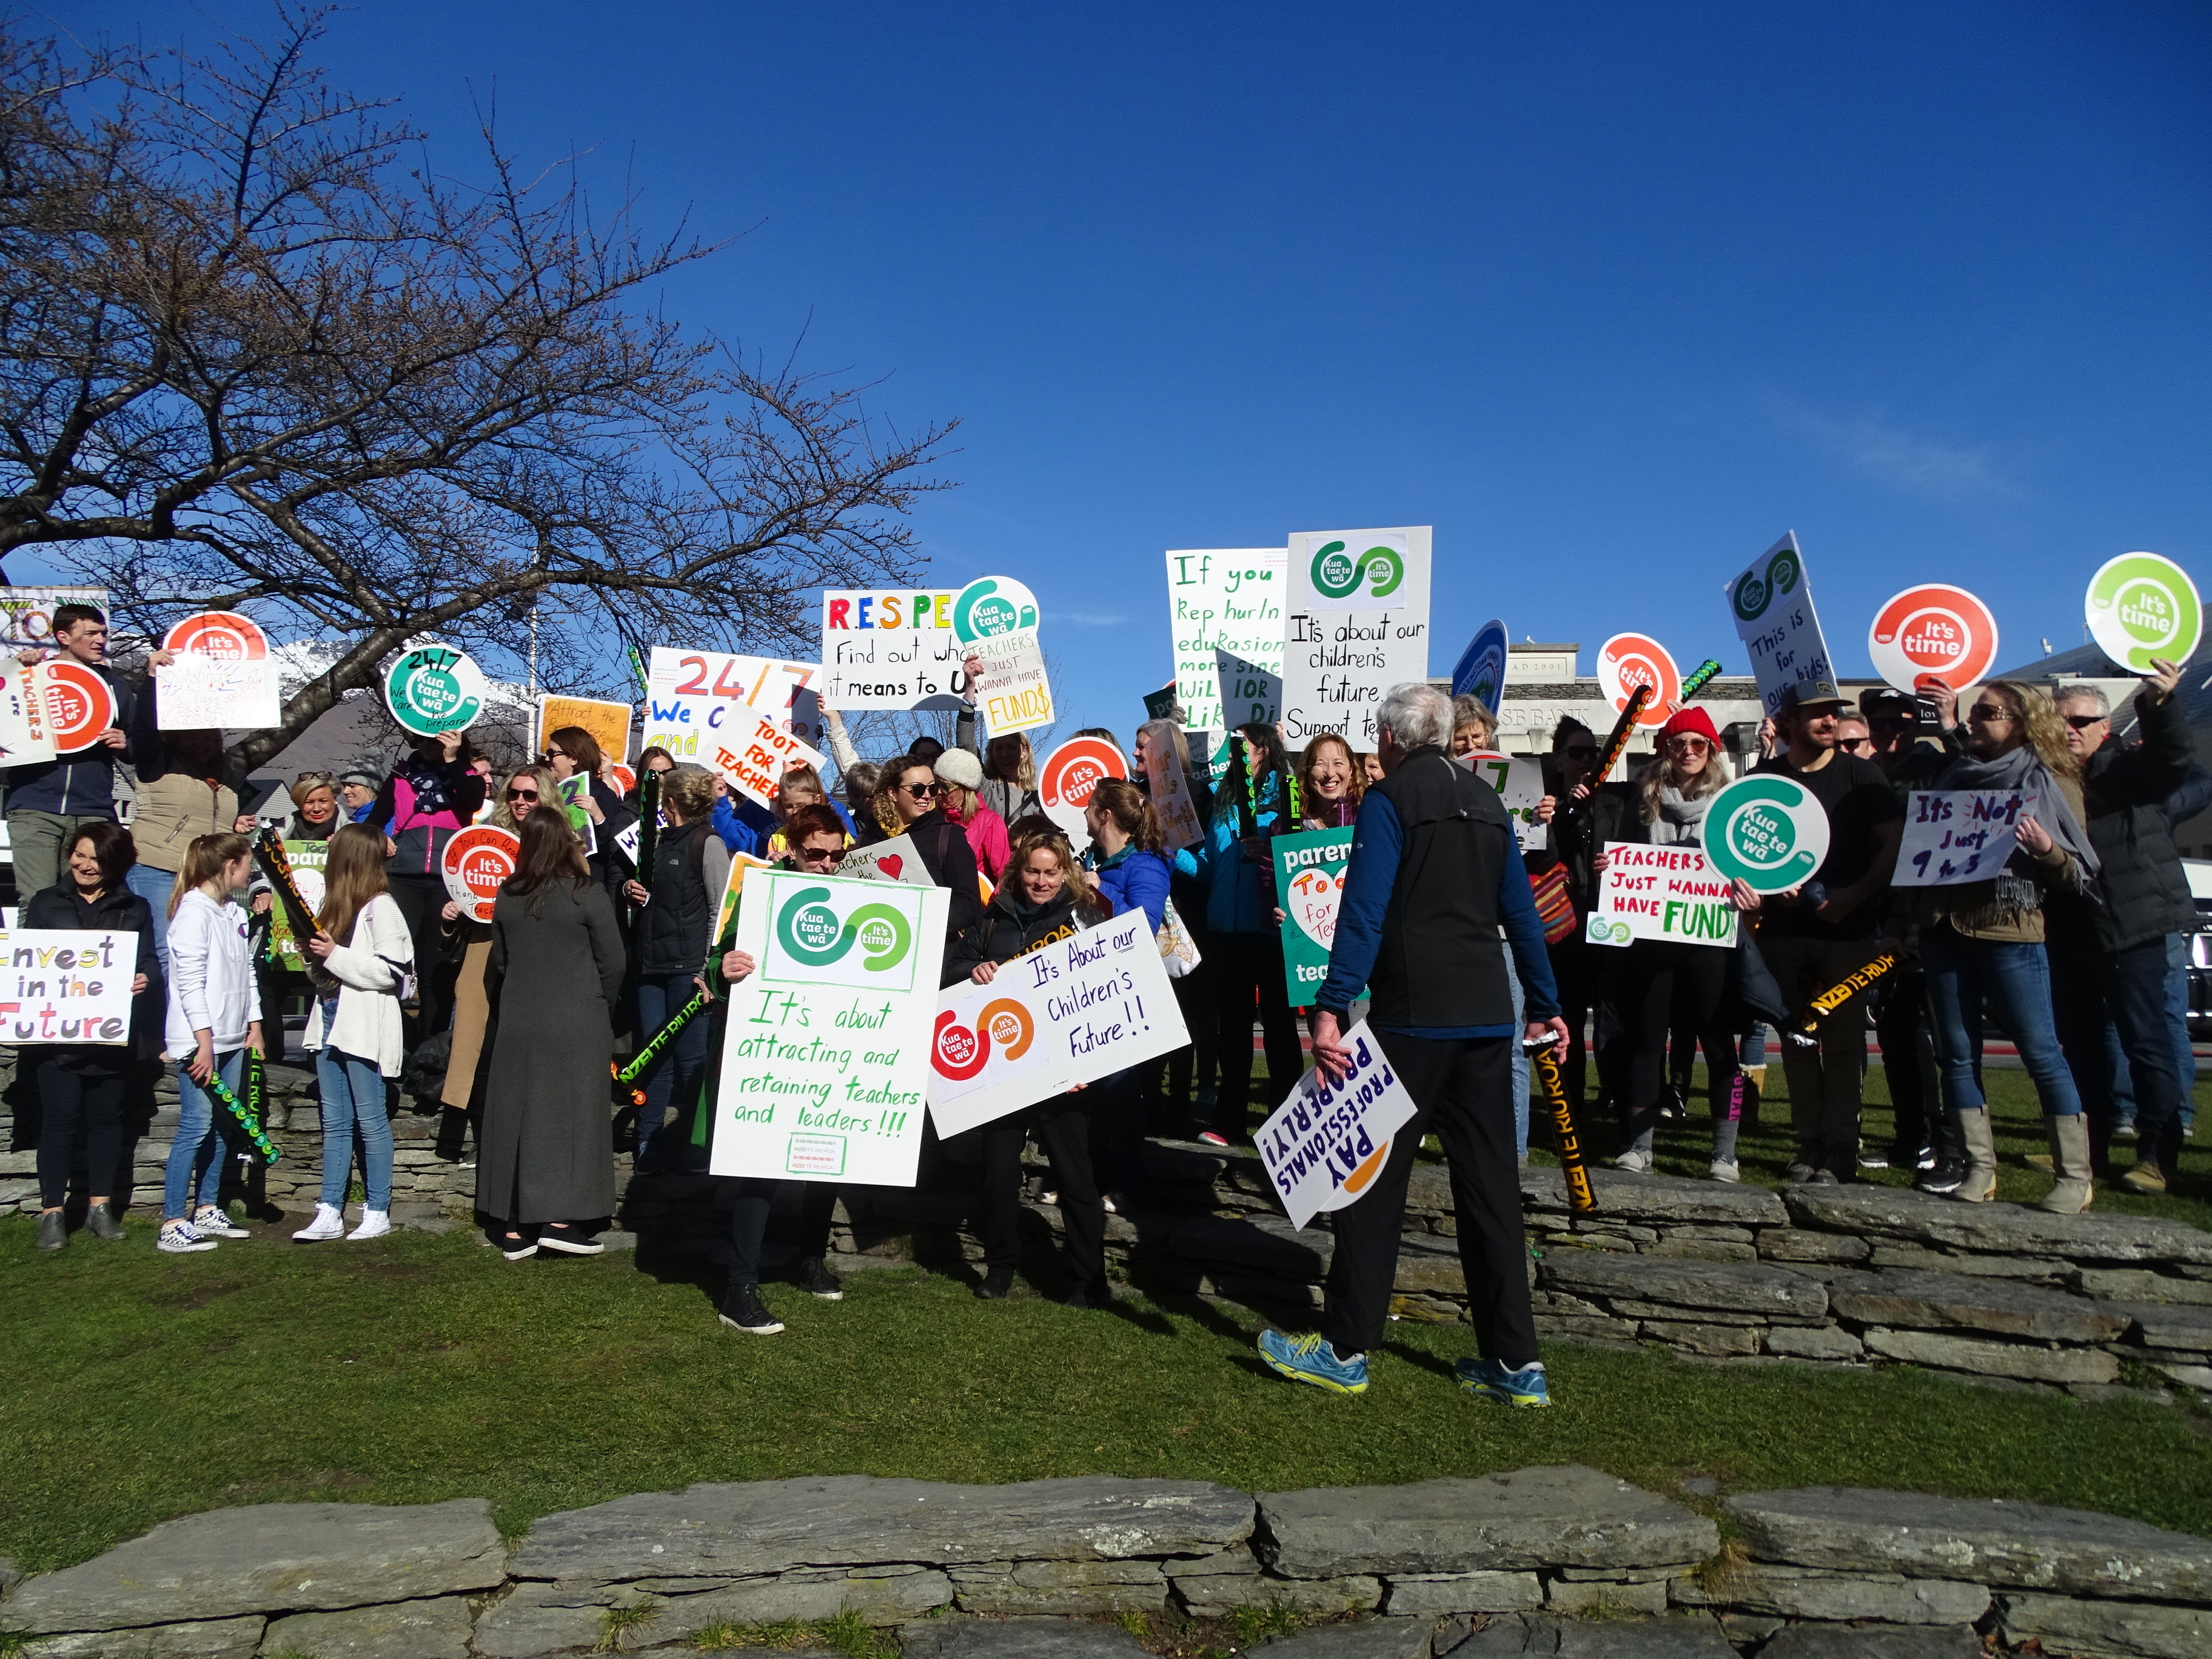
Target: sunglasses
556,754
1989,716
2083,722
1583,751
919,791
522,794
1687,745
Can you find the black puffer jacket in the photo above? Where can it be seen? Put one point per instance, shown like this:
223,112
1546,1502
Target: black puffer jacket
2141,892
1010,927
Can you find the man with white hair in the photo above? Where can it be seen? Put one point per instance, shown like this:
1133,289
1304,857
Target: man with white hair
1434,871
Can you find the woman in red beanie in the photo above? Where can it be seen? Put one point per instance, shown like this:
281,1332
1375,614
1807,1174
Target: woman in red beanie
1656,983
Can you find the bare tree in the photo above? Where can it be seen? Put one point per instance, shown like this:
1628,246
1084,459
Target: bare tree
257,354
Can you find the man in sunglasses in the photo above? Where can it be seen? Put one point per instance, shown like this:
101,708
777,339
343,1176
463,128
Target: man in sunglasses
2109,960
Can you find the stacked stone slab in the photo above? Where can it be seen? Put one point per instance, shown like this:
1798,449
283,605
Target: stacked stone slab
1556,1560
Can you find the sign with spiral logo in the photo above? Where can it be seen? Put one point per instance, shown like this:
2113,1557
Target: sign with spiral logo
1768,831
824,931
1772,603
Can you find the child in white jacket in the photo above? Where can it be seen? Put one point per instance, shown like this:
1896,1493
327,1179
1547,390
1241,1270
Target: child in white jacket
214,1016
364,954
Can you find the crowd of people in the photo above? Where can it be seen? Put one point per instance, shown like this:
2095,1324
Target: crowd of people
1461,952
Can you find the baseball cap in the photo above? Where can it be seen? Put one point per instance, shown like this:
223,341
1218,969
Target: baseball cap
1814,696
1889,700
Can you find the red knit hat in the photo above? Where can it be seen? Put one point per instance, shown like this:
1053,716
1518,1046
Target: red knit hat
1692,720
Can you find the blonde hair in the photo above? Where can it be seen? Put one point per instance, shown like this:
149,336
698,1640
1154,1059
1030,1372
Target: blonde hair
204,860
353,875
690,791
1071,883
2040,724
1710,780
502,815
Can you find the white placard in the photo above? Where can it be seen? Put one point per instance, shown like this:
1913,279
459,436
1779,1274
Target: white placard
475,865
1013,692
1772,603
1076,1010
696,699
1671,893
26,614
752,760
25,735
890,647
1228,602
826,1058
1519,782
1325,1144
1952,836
1358,624
66,985
896,860
220,674
1164,781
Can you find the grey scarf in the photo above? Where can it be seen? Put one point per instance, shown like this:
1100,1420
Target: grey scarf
1680,821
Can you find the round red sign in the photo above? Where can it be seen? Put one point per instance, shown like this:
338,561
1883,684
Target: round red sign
1072,771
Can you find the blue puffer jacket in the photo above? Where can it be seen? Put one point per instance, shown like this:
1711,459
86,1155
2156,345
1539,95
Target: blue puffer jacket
1132,878
1240,895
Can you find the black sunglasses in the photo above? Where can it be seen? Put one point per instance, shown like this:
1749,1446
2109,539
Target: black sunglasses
2083,722
522,794
1588,751
919,791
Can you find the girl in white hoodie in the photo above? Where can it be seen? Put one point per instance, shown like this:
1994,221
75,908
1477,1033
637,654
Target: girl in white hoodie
214,1016
364,952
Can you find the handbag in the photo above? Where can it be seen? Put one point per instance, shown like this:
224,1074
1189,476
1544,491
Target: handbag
1555,908
406,984
1178,951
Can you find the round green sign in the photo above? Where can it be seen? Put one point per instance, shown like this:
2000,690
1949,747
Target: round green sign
991,605
1767,831
433,688
2141,607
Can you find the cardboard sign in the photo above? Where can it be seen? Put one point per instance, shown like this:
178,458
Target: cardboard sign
1079,1009
26,614
1227,602
1309,886
734,887
1769,831
1480,671
307,859
1520,785
753,761
1661,892
1628,660
1325,1144
995,619
66,985
1180,824
432,689
223,675
1934,631
477,863
1781,633
1359,625
896,860
2141,607
80,704
825,1057
890,648
697,699
607,722
24,736
1952,836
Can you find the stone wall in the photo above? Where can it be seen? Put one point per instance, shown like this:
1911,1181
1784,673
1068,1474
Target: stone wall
1560,1560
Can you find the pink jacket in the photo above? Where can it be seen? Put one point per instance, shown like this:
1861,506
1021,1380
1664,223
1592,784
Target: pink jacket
987,835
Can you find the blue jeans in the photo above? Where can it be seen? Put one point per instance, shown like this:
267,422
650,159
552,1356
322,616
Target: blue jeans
155,886
677,1069
2177,1010
1960,972
2129,988
1519,1060
352,1092
196,1155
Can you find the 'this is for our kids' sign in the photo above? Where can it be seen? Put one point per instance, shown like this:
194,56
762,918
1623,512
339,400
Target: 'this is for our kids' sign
66,985
1325,1146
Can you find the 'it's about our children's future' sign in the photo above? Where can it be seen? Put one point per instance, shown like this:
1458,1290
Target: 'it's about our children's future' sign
1958,836
1324,1147
1309,889
1079,1009
1672,893
66,985
2142,608
1933,632
995,619
1225,609
884,647
1358,624
1772,603
433,688
825,1057
1766,830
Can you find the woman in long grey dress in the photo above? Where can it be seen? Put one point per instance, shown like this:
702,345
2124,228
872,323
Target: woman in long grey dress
546,1170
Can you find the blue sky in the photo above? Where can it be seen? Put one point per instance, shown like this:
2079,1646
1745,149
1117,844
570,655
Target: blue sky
1611,295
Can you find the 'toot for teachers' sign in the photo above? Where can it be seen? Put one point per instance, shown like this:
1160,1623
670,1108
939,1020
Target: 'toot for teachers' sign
1324,1145
66,985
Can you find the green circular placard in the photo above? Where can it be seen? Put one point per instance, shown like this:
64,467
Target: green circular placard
1767,831
2141,607
432,688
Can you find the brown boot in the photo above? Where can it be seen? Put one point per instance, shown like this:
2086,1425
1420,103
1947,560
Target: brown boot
2070,1162
1980,1185
2145,1178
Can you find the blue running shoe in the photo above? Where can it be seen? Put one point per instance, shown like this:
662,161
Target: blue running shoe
1312,1360
1489,1379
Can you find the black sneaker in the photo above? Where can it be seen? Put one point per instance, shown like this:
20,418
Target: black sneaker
1673,1102
570,1239
816,1279
1948,1175
743,1310
1803,1167
996,1283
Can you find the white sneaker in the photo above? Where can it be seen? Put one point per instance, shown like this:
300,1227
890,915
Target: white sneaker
1724,1169
181,1238
209,1220
1633,1162
374,1224
329,1222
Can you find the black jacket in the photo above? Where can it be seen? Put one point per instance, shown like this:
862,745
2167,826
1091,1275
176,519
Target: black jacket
2142,892
671,930
1006,929
951,862
1580,831
1440,964
118,910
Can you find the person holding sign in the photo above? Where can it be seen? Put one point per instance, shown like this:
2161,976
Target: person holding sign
1434,873
81,1084
1132,874
1660,984
213,1017
47,799
1984,939
910,791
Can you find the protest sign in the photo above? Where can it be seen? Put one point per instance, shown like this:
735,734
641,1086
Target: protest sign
629,839
1251,692
1308,886
896,860
734,887
1076,1010
1325,1144
1781,633
26,614
1671,893
995,619
890,648
66,985
1068,775
1519,782
223,675
1628,660
307,859
1957,835
1934,631
1180,824
825,1057
1480,671
753,761
79,702
477,863
432,689
607,722
25,734
697,699
1161,705
621,778
2141,607
1359,625
1227,600
1766,830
